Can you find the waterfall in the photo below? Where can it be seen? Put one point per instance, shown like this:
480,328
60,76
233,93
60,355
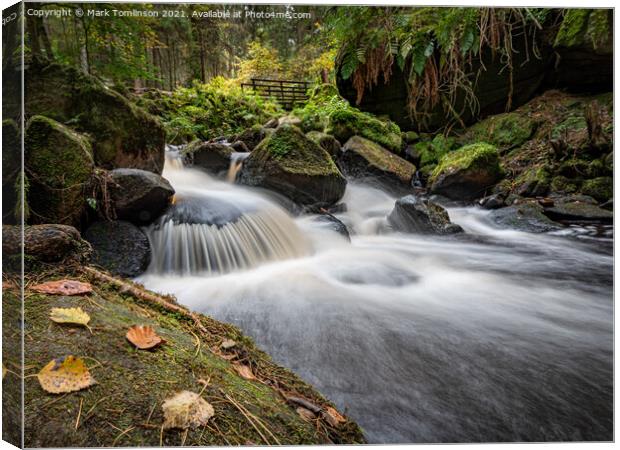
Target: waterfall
236,162
214,227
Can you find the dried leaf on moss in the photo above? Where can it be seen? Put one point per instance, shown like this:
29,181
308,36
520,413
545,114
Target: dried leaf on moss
305,414
75,316
66,374
244,371
333,417
63,287
186,410
143,337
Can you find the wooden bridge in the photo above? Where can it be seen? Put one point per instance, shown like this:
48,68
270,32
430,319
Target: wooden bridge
286,92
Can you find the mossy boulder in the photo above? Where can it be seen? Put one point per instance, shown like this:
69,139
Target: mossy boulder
295,166
11,168
251,137
362,158
412,214
431,152
586,28
328,142
46,242
562,184
601,188
346,123
506,131
213,157
466,173
533,182
124,408
59,165
122,134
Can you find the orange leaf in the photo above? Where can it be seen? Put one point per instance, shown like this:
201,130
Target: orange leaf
143,337
244,371
305,414
333,417
63,287
66,374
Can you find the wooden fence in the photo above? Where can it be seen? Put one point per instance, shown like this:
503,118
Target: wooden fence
286,92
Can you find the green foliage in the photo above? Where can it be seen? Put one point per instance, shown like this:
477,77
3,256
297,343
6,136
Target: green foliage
217,108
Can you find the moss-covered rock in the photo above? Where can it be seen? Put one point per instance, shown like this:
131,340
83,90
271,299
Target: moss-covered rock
533,182
213,157
346,123
466,173
45,243
506,131
295,166
122,134
364,158
59,165
410,137
562,184
328,142
251,137
601,188
431,152
11,169
586,28
124,408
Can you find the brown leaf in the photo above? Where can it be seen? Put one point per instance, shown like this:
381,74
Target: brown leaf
333,417
305,414
63,287
186,410
227,344
244,371
66,374
143,337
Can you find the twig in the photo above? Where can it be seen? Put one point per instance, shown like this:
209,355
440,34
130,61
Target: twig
77,421
121,435
236,405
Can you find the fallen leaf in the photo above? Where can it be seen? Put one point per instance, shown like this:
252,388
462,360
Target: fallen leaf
143,337
74,316
305,414
66,374
333,417
244,371
4,371
227,344
63,287
186,409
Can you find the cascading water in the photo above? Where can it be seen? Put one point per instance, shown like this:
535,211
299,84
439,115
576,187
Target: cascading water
492,335
214,227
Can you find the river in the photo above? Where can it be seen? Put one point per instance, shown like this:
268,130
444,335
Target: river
490,335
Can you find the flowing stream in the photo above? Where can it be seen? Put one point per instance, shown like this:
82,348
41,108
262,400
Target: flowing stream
491,335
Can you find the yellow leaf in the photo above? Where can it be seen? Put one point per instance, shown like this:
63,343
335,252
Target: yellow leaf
143,337
66,374
186,409
74,316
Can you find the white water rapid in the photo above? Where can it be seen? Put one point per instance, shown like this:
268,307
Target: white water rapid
491,335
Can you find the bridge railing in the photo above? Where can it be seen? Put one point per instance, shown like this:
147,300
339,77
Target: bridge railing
286,92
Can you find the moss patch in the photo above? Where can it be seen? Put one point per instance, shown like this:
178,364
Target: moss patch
473,157
601,188
347,123
506,131
124,408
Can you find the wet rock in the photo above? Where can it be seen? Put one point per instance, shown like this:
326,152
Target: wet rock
59,166
327,142
533,182
414,215
575,208
527,216
492,201
122,134
139,196
46,242
363,158
295,166
119,247
213,157
332,223
252,137
240,147
467,173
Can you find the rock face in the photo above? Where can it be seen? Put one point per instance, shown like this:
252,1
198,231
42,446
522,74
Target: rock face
119,247
466,173
59,165
527,216
122,134
346,123
210,156
361,157
139,196
414,215
47,242
293,165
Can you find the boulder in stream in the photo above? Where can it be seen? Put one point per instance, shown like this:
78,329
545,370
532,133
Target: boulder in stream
332,223
45,242
251,137
578,208
119,247
295,166
466,173
412,214
214,157
526,216
361,158
139,196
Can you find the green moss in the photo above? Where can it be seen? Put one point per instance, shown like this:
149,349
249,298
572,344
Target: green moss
506,131
582,27
344,124
573,123
410,137
431,152
564,185
601,188
474,157
133,384
600,26
573,28
59,162
533,182
381,159
11,169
